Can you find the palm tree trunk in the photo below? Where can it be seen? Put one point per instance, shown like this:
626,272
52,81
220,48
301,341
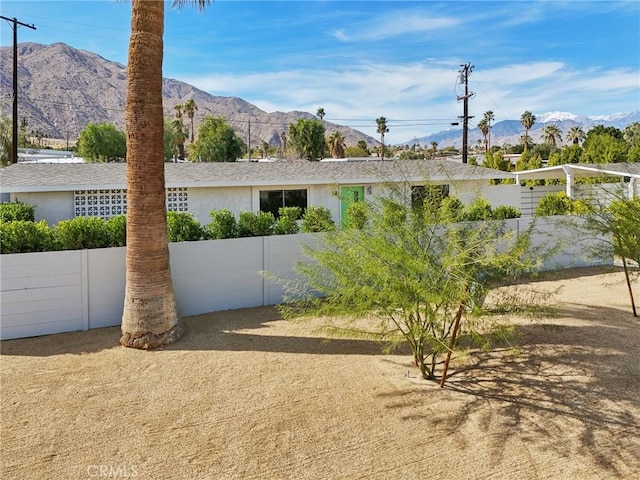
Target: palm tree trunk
150,316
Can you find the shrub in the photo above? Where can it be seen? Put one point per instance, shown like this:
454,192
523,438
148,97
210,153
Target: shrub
117,227
502,212
17,211
479,209
451,209
223,224
287,223
357,215
554,204
21,236
183,227
317,219
258,224
82,232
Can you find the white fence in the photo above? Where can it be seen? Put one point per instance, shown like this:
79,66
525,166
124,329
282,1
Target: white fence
52,292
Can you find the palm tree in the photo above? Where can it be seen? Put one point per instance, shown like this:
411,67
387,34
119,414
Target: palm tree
190,108
179,108
337,145
489,117
552,134
434,147
320,114
382,129
150,316
527,120
180,135
283,143
575,134
484,129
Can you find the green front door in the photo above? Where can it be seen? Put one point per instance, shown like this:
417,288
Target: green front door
349,195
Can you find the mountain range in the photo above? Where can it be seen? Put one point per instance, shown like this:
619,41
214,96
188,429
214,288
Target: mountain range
63,89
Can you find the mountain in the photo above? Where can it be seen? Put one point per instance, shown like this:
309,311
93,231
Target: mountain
510,131
62,89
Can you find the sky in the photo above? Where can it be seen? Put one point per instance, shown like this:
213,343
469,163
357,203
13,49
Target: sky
360,60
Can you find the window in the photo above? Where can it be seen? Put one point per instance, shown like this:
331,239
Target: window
420,193
273,200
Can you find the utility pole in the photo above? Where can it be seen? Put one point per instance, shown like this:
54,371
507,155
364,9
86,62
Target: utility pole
249,140
14,138
464,77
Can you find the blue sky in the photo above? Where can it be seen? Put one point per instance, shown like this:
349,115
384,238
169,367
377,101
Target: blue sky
364,59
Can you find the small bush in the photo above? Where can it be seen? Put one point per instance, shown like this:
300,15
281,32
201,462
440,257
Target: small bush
17,211
554,204
317,219
451,209
183,227
258,224
479,209
117,227
357,216
503,212
82,232
287,223
223,224
21,236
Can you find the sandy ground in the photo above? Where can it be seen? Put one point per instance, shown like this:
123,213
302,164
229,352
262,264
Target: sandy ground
248,395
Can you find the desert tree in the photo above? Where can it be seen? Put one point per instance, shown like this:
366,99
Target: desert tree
489,117
190,107
552,134
306,136
575,135
336,144
150,316
412,275
483,126
320,114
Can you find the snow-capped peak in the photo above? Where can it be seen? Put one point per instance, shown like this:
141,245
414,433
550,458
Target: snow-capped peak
556,117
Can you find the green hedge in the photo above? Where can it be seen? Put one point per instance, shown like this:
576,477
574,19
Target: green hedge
10,212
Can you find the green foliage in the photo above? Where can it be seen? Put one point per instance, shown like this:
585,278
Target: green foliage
117,227
409,277
356,152
554,204
479,209
287,223
102,143
306,136
6,140
217,142
183,227
571,154
223,224
604,148
82,232
317,219
22,236
357,215
251,224
631,135
451,210
17,211
504,212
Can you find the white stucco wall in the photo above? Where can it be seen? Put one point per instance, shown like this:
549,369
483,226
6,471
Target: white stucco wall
203,200
50,206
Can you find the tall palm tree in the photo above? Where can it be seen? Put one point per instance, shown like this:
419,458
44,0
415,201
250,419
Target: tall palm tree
575,134
190,108
382,129
180,135
484,129
527,120
150,316
489,117
337,145
552,134
320,114
283,143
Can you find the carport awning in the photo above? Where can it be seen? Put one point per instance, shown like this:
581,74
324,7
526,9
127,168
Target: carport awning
580,170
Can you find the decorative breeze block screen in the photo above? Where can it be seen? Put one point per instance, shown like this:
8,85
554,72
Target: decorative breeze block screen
110,203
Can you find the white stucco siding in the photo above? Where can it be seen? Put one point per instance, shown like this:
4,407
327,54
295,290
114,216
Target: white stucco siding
467,191
203,200
50,206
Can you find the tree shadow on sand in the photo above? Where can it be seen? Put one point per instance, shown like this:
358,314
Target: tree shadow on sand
572,389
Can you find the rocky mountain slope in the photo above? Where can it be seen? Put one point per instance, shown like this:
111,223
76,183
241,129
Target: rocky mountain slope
62,89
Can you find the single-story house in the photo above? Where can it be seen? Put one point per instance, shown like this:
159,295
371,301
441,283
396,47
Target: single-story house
628,173
64,191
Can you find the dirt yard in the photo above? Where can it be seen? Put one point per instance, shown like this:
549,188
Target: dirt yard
247,395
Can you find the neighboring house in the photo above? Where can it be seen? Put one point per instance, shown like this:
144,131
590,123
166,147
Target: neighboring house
64,191
628,173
